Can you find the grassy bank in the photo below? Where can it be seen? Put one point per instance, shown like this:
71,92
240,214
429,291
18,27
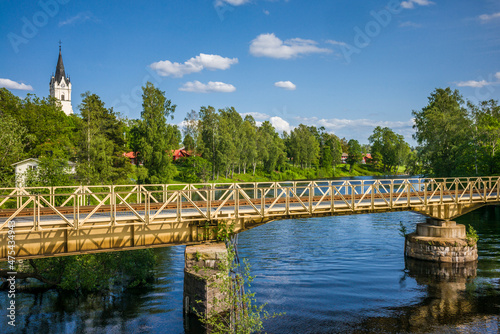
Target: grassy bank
295,173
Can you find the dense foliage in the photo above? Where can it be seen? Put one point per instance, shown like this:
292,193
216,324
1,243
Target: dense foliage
458,138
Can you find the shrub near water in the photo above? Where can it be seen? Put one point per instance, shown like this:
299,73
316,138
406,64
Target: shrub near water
94,272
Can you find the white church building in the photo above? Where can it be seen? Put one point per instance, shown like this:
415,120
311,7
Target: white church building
60,86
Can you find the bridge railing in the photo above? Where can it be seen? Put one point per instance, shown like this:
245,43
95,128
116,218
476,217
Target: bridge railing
53,208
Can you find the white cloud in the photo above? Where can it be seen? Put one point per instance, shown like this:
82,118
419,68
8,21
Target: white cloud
473,83
336,123
195,64
266,12
219,3
280,124
497,75
268,45
256,115
489,17
9,84
410,4
210,87
331,41
79,18
286,85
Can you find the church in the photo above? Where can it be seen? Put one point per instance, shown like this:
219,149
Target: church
60,86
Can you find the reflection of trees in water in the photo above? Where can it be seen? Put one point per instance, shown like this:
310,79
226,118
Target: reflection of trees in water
119,311
58,312
449,301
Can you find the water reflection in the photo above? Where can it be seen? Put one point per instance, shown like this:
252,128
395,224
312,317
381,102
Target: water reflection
449,305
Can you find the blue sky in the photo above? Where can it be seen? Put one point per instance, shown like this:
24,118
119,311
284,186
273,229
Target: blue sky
346,65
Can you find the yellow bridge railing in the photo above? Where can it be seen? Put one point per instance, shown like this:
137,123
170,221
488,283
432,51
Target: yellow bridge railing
96,218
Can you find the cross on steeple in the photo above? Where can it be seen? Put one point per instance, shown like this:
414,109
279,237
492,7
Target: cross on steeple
59,45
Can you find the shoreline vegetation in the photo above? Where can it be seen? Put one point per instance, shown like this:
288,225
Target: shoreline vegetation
341,171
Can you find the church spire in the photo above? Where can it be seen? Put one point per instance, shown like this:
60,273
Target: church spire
60,86
60,74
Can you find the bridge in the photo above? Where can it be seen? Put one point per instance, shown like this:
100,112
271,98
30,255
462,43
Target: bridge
51,221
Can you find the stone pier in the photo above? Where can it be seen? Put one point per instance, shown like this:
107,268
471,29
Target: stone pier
440,241
201,290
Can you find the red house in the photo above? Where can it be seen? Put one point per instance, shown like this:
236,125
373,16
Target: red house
132,156
176,155
180,153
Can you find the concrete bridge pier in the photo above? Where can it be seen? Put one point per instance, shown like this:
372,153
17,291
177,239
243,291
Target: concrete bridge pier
202,288
440,241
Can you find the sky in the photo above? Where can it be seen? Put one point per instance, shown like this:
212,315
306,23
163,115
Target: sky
346,65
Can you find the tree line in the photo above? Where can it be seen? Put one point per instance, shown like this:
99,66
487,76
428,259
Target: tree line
454,138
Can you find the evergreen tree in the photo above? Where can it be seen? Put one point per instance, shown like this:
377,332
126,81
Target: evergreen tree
355,153
102,143
155,141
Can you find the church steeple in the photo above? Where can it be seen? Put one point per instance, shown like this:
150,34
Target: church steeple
60,85
60,73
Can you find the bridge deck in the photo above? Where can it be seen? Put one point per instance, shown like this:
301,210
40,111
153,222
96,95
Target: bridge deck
70,220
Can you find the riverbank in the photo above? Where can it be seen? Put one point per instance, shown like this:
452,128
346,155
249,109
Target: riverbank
295,173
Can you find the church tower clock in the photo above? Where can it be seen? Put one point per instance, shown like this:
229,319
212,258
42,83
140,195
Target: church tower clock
60,86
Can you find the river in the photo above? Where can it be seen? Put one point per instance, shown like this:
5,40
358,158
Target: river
344,274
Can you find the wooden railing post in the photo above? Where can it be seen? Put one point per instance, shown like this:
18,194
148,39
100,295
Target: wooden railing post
391,195
408,202
372,196
425,193
209,204
471,192
147,208
353,200
311,190
441,193
236,203
36,208
262,203
287,201
112,204
332,198
179,213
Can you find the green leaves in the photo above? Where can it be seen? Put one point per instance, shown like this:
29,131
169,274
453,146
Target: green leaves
101,143
156,137
458,140
388,149
354,153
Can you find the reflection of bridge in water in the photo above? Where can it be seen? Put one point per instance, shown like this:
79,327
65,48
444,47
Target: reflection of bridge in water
74,220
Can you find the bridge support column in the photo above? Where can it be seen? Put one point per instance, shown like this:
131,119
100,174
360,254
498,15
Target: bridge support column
440,241
200,279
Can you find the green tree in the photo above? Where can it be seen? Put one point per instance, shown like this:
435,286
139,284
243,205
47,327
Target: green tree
388,148
249,153
51,171
304,145
14,139
486,128
209,134
49,127
355,153
443,131
155,140
102,143
191,131
229,139
333,142
271,147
